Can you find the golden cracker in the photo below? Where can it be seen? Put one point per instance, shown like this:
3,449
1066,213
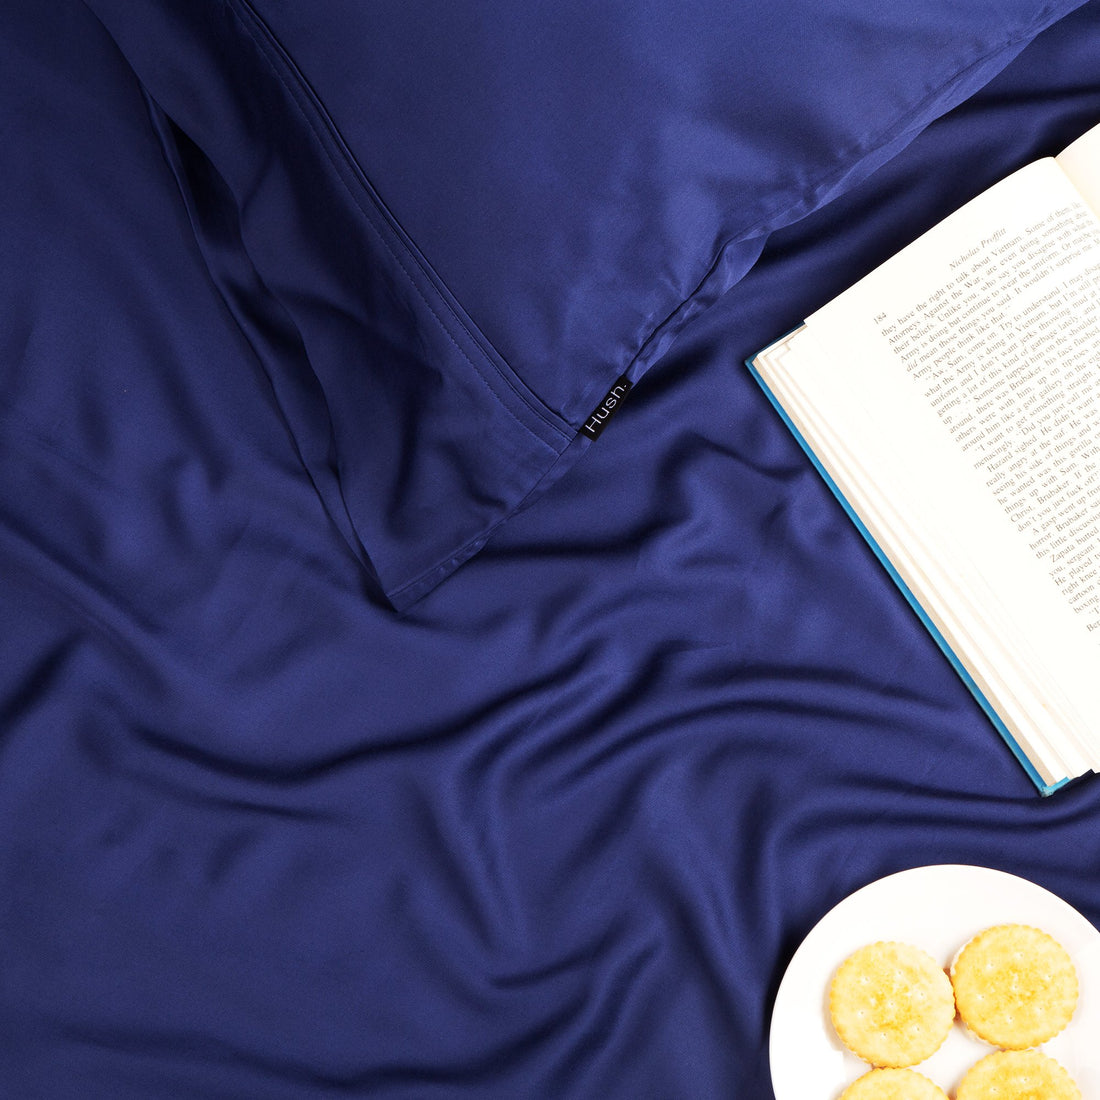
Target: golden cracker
891,1004
893,1084
1017,1075
1015,986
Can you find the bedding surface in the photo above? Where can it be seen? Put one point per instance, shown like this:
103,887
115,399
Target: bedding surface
365,729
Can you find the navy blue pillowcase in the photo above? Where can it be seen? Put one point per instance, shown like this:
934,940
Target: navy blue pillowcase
446,230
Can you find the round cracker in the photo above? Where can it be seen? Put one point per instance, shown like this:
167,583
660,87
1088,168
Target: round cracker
891,1004
893,1084
1015,986
1017,1075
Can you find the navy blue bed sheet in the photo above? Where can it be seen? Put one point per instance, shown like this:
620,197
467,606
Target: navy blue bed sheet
553,829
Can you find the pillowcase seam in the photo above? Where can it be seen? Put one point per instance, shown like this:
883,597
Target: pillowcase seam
243,13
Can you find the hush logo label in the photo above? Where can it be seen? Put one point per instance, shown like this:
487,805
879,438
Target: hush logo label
602,413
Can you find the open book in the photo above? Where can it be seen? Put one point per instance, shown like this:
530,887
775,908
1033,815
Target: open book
952,400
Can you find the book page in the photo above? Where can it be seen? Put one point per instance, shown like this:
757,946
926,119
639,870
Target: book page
1081,162
963,373
968,622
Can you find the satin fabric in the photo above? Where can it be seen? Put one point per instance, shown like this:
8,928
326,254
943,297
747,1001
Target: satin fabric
447,231
557,829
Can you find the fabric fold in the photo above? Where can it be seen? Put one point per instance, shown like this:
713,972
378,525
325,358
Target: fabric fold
418,437
435,362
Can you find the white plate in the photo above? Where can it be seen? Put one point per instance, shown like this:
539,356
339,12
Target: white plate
938,909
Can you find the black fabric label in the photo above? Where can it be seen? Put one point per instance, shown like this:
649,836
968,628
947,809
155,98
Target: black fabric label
602,412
